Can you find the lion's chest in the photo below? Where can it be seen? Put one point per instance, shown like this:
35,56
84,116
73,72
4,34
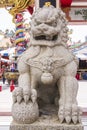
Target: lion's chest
46,76
46,65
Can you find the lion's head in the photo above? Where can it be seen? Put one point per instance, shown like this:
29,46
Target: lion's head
48,27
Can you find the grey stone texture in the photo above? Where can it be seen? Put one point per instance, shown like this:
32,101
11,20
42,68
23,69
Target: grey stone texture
46,124
47,77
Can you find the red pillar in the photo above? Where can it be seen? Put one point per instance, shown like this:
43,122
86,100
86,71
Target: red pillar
12,86
0,88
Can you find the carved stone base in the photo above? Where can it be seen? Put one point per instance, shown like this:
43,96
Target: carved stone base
46,123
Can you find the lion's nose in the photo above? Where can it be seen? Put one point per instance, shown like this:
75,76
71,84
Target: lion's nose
43,26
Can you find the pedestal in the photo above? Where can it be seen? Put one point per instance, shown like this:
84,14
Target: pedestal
46,123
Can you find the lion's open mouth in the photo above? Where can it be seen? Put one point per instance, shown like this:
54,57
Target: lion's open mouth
43,37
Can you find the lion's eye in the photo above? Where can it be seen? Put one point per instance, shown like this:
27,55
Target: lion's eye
35,24
54,24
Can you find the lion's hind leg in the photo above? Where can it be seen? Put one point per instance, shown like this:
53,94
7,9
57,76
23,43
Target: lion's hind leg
68,87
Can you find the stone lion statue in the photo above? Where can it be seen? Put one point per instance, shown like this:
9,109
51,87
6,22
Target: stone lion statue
47,71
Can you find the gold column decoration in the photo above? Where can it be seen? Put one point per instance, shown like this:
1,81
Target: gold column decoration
4,3
17,5
20,5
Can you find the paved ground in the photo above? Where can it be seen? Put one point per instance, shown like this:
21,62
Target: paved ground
82,94
6,103
5,98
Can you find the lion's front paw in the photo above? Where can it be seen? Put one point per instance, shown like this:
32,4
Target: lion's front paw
70,114
25,108
20,94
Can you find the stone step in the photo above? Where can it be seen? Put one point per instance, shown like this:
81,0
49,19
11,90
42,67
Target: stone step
5,122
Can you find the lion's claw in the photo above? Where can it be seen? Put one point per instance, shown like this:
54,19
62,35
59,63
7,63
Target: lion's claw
17,95
33,95
20,94
72,115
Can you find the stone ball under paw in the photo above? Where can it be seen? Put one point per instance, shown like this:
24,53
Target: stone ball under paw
25,113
